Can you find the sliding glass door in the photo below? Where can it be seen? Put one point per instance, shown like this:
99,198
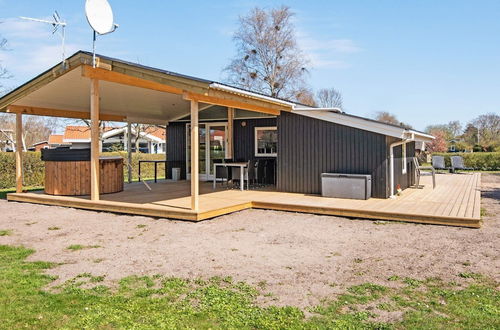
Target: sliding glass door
212,142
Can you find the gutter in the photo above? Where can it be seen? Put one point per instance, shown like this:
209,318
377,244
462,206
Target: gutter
250,94
391,160
338,110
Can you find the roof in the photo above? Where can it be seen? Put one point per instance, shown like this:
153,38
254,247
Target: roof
365,124
159,132
41,142
128,92
56,139
79,133
136,93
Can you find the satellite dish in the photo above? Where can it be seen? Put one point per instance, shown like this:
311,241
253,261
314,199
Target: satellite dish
100,16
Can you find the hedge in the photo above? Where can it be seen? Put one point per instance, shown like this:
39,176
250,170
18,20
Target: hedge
34,167
481,161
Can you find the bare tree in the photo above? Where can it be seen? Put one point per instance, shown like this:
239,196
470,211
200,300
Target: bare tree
329,98
138,130
488,126
35,129
386,117
268,58
455,128
389,118
306,96
4,74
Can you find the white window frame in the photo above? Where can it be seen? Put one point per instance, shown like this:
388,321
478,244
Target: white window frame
256,147
403,158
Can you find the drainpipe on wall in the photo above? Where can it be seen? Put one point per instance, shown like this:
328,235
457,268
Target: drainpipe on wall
391,160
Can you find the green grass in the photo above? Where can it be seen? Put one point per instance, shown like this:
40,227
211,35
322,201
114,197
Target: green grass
5,191
5,232
149,302
76,247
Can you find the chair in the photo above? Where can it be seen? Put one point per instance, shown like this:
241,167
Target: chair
438,163
419,173
221,172
261,172
457,163
249,173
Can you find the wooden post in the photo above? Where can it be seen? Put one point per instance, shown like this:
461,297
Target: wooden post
19,153
229,145
194,156
94,139
166,156
129,152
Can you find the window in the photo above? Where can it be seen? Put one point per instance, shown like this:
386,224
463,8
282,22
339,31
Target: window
403,157
266,141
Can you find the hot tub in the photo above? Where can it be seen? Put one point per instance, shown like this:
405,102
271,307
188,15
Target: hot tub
67,172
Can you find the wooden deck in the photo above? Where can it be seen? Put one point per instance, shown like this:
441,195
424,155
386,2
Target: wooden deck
455,201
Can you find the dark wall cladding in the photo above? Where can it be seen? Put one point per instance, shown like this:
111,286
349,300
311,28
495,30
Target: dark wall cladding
308,147
176,148
244,142
244,137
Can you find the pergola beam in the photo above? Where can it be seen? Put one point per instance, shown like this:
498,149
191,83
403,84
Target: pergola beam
230,122
94,139
232,102
120,78
19,153
38,111
194,157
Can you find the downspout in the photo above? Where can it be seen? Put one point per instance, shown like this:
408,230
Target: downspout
391,160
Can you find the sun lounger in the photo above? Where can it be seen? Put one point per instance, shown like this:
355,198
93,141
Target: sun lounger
438,163
457,163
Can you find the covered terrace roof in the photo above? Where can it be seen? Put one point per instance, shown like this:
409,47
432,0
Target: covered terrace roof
128,92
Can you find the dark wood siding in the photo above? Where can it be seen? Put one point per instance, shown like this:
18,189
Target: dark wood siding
244,137
308,147
176,148
244,142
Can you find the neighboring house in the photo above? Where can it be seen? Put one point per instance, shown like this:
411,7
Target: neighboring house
39,146
151,141
56,141
7,140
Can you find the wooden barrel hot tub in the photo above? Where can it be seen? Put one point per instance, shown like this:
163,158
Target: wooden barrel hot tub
67,172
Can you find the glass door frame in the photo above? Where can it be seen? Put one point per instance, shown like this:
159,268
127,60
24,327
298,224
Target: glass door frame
204,176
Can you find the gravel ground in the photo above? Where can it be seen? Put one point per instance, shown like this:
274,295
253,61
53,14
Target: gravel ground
301,258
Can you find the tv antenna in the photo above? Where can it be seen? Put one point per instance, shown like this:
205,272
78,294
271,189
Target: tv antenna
56,23
100,17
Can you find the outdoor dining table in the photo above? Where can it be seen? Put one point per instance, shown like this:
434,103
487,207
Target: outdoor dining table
241,165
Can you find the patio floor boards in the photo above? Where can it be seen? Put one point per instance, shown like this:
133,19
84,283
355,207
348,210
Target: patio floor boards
455,201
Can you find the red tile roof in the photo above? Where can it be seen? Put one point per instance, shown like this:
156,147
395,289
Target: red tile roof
56,139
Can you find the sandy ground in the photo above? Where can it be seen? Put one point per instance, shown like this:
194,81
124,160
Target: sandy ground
302,258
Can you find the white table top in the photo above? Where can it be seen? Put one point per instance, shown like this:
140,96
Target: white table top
232,164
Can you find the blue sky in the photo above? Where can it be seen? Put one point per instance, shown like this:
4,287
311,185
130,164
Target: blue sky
428,62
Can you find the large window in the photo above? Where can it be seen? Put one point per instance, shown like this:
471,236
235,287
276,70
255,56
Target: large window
266,141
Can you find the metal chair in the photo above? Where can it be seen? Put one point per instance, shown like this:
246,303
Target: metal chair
419,173
457,163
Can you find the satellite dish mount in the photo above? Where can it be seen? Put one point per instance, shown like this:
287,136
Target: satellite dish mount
100,17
